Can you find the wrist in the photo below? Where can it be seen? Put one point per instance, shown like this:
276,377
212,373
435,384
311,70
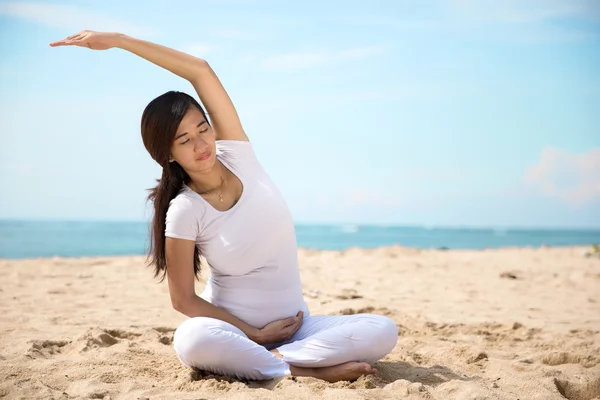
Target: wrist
119,40
254,334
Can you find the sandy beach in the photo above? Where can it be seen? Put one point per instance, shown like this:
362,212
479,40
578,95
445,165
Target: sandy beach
512,323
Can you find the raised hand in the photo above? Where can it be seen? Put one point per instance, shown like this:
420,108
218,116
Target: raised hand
90,39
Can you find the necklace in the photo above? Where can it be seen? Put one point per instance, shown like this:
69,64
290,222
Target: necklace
221,191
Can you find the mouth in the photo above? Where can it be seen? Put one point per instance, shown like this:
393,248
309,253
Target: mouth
203,156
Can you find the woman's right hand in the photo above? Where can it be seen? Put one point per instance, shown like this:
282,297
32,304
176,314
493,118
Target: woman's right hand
280,330
90,39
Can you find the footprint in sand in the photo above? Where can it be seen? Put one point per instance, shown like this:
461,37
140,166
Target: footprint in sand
99,338
96,338
167,334
561,358
572,391
46,348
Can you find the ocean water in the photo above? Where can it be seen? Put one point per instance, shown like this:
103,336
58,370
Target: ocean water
29,239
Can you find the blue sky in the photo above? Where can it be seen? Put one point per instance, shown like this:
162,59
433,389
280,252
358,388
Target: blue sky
451,113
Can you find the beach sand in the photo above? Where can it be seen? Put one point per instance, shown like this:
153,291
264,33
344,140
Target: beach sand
512,323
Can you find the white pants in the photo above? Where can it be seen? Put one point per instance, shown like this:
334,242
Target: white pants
216,346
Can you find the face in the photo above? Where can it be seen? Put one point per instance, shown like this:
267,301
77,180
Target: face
194,145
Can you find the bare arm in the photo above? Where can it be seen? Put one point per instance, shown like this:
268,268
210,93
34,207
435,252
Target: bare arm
180,275
223,115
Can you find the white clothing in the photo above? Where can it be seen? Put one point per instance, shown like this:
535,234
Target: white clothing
251,248
216,346
253,258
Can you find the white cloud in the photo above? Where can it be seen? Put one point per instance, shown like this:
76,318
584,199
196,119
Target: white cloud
556,34
572,178
417,91
311,59
393,21
519,11
530,21
70,17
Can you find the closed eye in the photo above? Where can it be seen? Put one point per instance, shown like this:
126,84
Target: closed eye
187,140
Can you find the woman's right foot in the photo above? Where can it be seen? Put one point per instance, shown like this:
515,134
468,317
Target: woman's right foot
343,372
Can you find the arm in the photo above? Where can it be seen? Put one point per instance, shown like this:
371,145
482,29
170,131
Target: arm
223,115
180,275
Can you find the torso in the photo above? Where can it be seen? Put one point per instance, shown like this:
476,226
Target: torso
248,241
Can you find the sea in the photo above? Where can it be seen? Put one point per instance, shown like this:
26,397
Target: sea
31,239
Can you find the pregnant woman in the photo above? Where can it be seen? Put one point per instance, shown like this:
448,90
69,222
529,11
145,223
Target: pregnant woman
215,199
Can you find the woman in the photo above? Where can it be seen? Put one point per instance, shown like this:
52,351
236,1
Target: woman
215,199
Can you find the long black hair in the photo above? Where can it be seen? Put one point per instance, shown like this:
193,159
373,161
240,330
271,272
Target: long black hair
160,121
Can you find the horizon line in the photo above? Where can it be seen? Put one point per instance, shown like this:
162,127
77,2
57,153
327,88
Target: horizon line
335,223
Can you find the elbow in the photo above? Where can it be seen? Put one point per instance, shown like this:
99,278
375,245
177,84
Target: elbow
201,70
182,305
179,305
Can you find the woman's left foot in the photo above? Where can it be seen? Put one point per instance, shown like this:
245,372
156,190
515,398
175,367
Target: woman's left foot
343,372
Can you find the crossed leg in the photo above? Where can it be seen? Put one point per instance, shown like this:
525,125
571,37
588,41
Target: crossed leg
327,347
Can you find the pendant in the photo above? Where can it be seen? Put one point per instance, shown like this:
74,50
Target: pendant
221,197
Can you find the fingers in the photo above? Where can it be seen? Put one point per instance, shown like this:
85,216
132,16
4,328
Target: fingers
296,327
61,43
69,40
293,328
293,320
64,42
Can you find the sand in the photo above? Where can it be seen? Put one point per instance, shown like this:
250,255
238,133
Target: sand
512,323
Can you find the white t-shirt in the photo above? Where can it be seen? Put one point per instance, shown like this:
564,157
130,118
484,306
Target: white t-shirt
251,248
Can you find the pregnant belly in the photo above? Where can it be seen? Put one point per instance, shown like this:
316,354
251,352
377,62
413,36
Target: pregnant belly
257,307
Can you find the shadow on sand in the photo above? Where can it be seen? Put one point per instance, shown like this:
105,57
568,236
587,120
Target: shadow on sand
388,371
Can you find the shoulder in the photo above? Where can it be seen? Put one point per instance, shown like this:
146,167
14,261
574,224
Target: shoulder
183,200
185,206
183,216
241,150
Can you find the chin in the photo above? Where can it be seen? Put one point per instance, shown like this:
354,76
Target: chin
205,164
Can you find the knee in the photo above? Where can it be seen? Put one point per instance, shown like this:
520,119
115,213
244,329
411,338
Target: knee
385,334
196,341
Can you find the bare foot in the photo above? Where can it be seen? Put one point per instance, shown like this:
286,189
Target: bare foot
343,372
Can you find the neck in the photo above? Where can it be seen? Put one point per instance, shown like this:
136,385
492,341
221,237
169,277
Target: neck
207,180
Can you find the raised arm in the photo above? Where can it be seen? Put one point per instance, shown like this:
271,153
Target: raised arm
223,115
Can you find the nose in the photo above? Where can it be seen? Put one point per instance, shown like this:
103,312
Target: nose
200,144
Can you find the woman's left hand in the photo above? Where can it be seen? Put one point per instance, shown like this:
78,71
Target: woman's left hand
279,330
